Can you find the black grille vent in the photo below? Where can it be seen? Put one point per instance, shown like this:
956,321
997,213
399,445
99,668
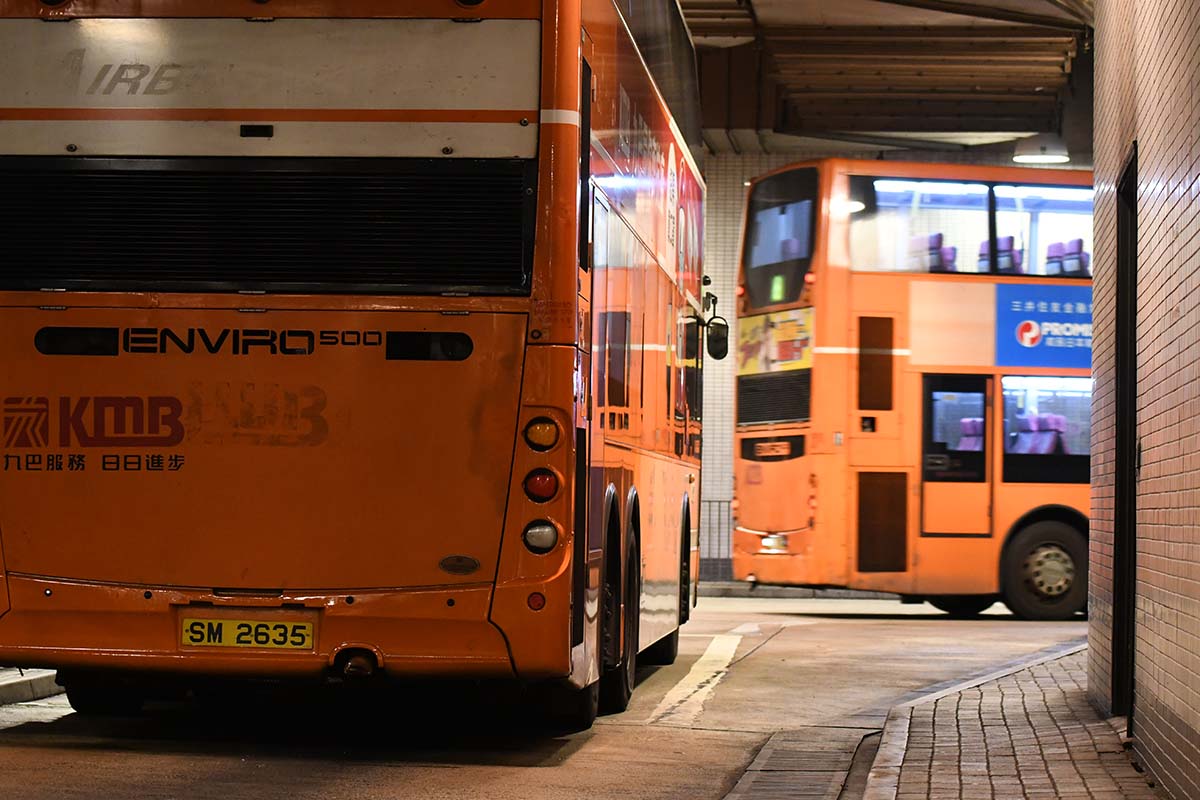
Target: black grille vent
205,224
774,397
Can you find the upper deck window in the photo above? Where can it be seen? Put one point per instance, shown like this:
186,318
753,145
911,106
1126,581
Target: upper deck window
916,225
913,225
780,237
1044,230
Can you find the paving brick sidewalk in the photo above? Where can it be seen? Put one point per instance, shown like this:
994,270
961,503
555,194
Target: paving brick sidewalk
1030,734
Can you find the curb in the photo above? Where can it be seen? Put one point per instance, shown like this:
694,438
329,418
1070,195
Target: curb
883,782
746,589
21,686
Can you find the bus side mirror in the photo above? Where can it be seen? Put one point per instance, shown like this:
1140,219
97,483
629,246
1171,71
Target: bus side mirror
718,338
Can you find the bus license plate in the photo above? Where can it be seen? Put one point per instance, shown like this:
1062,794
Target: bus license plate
258,634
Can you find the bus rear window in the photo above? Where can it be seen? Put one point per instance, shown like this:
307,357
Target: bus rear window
780,237
336,225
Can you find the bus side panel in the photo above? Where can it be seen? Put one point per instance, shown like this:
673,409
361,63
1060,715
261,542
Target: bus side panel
646,282
3,580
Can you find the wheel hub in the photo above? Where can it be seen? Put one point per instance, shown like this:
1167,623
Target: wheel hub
1050,571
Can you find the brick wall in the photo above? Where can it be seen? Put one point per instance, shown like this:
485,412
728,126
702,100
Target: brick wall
1148,89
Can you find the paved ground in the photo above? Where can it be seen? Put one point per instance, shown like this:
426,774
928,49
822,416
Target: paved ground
786,687
1031,734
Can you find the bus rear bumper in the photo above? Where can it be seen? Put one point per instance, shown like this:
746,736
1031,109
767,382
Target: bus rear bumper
773,558
417,633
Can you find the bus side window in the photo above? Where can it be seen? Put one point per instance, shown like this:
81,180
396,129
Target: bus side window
1047,424
691,368
955,447
875,362
600,222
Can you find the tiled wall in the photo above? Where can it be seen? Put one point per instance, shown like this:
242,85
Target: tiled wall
1148,89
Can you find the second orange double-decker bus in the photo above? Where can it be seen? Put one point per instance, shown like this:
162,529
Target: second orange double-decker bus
913,400
345,338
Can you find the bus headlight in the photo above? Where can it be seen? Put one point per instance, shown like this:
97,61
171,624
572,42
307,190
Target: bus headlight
774,543
540,536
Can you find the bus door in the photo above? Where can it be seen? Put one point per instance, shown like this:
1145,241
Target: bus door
956,508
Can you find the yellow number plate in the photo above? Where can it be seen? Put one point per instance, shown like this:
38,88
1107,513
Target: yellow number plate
257,634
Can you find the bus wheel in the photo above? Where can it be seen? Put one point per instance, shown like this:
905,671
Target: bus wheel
567,710
616,685
104,700
961,606
1045,572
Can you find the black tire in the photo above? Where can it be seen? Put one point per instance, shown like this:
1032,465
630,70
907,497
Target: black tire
1044,573
616,684
568,710
100,700
963,606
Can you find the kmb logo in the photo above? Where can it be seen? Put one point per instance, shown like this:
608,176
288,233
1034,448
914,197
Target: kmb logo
94,421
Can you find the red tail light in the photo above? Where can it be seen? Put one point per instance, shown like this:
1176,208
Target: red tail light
541,485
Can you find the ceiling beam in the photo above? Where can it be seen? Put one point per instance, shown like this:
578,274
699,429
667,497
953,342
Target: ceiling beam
867,59
902,142
1076,8
846,98
980,11
925,33
964,123
796,81
980,50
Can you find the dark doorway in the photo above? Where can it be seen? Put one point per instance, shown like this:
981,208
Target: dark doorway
1129,451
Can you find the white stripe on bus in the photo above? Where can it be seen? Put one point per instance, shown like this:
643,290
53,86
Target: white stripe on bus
560,116
850,351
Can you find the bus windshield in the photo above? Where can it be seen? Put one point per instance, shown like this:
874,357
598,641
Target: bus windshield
780,237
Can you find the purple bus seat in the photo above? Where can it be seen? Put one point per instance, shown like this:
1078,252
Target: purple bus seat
1058,424
1075,260
925,252
1049,438
984,263
1054,258
972,434
949,259
1008,260
1026,438
789,249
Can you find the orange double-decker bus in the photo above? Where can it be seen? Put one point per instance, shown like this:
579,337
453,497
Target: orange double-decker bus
913,399
346,338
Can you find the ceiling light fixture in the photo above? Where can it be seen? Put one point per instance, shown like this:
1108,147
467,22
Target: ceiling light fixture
1045,148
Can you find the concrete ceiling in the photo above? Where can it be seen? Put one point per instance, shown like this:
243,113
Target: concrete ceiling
926,73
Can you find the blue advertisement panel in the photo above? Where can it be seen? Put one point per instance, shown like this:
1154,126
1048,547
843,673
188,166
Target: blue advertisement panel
1040,325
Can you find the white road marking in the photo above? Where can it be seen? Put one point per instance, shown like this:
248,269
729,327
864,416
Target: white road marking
683,704
747,629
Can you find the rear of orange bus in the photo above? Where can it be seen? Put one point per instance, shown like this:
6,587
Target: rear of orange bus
292,339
